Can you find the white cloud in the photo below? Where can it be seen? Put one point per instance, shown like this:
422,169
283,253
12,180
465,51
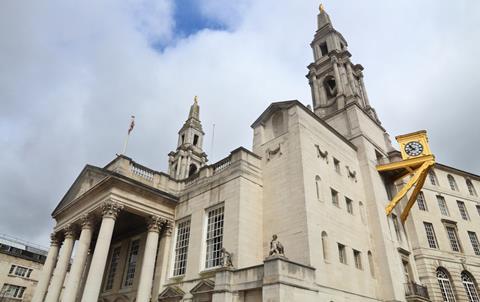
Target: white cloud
77,71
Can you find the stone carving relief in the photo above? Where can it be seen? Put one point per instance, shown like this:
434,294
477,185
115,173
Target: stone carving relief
320,153
270,153
352,174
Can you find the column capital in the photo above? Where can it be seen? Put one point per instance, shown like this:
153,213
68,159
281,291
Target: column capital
69,231
111,209
155,223
54,241
86,221
167,227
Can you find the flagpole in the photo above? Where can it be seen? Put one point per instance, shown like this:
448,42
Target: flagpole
132,125
125,144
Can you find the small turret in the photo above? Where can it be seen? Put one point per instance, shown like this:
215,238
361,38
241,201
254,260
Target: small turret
189,156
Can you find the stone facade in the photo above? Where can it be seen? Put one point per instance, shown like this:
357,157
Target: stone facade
203,232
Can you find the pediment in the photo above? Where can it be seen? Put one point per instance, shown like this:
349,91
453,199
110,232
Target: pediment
204,286
171,292
86,180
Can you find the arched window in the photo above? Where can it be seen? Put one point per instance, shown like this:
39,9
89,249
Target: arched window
370,263
318,187
452,183
362,212
433,178
471,188
192,169
445,285
470,287
325,245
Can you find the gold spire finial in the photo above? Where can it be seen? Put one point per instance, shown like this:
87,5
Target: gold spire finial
322,8
195,99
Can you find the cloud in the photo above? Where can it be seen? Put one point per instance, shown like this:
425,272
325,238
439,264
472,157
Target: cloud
76,72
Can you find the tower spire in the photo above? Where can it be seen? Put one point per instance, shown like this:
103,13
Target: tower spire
189,156
335,81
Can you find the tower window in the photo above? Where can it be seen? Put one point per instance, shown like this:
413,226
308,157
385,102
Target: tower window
357,256
183,138
330,86
192,169
324,48
195,140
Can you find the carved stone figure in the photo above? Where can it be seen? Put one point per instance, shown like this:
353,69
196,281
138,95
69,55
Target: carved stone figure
226,258
276,248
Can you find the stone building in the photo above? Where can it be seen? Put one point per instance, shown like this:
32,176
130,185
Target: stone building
205,232
20,266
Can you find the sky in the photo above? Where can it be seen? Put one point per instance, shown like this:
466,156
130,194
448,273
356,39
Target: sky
72,73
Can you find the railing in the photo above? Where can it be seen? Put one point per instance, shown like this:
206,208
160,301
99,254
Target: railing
221,165
414,289
141,171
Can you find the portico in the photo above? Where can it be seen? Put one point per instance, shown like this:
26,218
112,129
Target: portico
100,210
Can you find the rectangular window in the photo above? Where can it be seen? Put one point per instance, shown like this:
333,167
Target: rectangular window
422,205
342,255
431,238
214,237
334,197
181,248
397,227
463,210
452,236
20,271
12,291
474,240
336,164
113,268
324,48
442,204
349,203
357,256
132,262
478,210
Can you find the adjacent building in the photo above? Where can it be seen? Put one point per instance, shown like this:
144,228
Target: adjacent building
20,266
298,217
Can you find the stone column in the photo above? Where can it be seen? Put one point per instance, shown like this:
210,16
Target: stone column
110,211
336,73
47,270
167,238
58,278
71,289
148,265
364,91
351,80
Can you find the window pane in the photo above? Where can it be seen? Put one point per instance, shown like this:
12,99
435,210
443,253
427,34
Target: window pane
452,236
432,240
442,204
463,210
214,237
132,262
113,268
181,248
474,240
422,206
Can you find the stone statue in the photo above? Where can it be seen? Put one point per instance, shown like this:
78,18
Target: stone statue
226,258
276,248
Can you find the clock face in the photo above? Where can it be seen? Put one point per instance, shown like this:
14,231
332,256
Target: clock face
413,148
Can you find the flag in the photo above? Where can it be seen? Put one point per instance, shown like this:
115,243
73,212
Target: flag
132,124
